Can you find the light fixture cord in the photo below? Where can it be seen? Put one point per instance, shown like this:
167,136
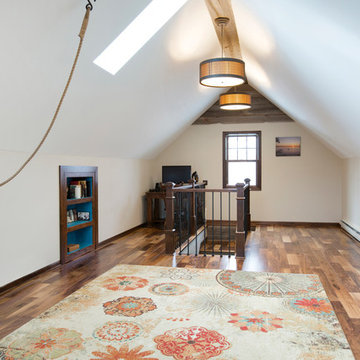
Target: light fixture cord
222,39
81,35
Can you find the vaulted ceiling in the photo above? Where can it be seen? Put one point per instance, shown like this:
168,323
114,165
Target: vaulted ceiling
303,56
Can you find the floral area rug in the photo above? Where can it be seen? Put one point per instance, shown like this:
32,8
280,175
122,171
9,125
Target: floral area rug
149,312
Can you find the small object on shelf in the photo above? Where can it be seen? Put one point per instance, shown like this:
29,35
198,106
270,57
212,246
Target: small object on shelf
83,215
72,247
77,191
69,216
195,176
71,192
83,188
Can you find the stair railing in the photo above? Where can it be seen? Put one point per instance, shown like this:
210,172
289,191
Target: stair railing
187,229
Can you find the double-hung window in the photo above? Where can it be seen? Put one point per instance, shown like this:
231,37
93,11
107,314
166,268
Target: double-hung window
242,158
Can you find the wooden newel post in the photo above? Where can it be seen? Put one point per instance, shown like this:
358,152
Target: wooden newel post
192,209
247,205
169,220
240,231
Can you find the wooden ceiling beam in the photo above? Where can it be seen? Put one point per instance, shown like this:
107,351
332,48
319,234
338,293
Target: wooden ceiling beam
262,110
204,120
223,8
251,112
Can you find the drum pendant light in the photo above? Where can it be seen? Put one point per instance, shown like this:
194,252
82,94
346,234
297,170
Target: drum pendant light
235,101
222,72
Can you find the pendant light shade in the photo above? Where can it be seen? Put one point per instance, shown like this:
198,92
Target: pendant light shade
225,72
222,72
235,101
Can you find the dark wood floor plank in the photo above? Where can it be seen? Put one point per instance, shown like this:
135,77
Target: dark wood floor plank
325,251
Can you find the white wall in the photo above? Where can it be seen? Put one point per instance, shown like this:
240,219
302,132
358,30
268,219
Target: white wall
29,207
305,188
351,196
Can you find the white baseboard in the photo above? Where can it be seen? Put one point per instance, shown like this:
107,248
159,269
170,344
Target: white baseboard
350,229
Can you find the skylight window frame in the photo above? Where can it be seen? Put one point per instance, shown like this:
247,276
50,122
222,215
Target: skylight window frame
120,51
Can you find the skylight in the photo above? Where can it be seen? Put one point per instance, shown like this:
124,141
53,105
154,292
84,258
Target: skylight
137,34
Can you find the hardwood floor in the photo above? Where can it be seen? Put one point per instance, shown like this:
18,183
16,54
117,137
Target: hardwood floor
325,251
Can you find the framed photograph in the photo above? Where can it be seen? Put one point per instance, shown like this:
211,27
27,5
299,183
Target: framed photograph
83,216
288,146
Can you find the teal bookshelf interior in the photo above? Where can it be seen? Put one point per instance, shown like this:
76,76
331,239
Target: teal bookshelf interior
88,189
81,208
83,237
78,211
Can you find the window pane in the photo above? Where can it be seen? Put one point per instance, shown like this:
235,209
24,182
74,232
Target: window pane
251,142
232,142
238,171
242,154
251,154
242,142
232,154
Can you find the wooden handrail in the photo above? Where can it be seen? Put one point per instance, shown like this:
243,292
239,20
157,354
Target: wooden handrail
191,189
189,186
203,190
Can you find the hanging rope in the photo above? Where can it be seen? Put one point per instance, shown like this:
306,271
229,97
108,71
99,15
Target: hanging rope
84,25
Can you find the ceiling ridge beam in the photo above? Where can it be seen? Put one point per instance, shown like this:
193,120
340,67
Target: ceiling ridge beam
223,8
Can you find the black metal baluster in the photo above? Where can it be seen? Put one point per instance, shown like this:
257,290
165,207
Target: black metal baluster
196,226
212,253
221,244
180,223
189,230
205,229
229,224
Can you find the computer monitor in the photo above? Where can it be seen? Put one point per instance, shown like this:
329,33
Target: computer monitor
176,173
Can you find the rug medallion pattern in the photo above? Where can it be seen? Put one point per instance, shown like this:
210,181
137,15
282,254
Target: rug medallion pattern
147,312
269,284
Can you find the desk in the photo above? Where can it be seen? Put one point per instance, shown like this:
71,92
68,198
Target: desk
153,212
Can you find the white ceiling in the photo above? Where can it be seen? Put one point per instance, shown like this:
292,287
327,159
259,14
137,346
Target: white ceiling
304,56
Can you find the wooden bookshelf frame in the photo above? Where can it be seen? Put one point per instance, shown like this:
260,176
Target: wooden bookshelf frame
66,172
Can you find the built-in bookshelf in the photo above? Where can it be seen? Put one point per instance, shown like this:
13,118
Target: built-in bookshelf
78,211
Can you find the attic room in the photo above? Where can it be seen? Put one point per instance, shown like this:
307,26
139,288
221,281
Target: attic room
283,281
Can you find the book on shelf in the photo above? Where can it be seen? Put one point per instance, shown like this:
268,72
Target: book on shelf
72,191
78,189
84,192
71,216
72,247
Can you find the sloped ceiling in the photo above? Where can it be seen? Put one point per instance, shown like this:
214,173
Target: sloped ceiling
303,56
